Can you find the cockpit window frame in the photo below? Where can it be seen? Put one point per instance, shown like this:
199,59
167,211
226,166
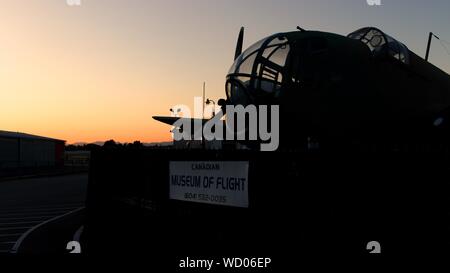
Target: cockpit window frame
257,79
388,45
254,79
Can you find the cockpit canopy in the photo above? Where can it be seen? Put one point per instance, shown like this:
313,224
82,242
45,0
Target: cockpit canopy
381,43
257,74
261,68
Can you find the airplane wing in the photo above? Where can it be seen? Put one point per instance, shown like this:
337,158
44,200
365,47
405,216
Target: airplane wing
172,120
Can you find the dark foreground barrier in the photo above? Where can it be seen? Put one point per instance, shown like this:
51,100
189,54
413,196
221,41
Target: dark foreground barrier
298,204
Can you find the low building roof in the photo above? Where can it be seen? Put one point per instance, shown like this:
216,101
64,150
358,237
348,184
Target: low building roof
8,134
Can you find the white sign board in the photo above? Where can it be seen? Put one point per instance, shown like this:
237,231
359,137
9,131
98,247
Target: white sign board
213,182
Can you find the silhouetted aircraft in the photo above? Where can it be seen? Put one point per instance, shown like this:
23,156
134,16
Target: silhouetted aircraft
366,87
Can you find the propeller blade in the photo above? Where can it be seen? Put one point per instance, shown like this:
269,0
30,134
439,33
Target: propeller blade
240,41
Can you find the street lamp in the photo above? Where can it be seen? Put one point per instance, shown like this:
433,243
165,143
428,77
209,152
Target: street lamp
208,102
175,112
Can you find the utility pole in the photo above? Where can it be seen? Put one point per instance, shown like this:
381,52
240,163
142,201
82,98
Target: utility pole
203,100
203,112
430,37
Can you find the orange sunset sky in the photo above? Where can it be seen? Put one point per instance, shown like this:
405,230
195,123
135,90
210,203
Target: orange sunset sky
101,70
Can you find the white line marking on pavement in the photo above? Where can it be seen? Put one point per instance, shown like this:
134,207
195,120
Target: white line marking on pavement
48,206
37,210
35,213
9,235
77,235
12,228
18,223
30,217
16,246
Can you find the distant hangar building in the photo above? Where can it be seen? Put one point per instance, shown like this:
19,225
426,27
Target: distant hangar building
20,150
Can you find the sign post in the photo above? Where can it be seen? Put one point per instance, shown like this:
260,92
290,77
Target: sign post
213,182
